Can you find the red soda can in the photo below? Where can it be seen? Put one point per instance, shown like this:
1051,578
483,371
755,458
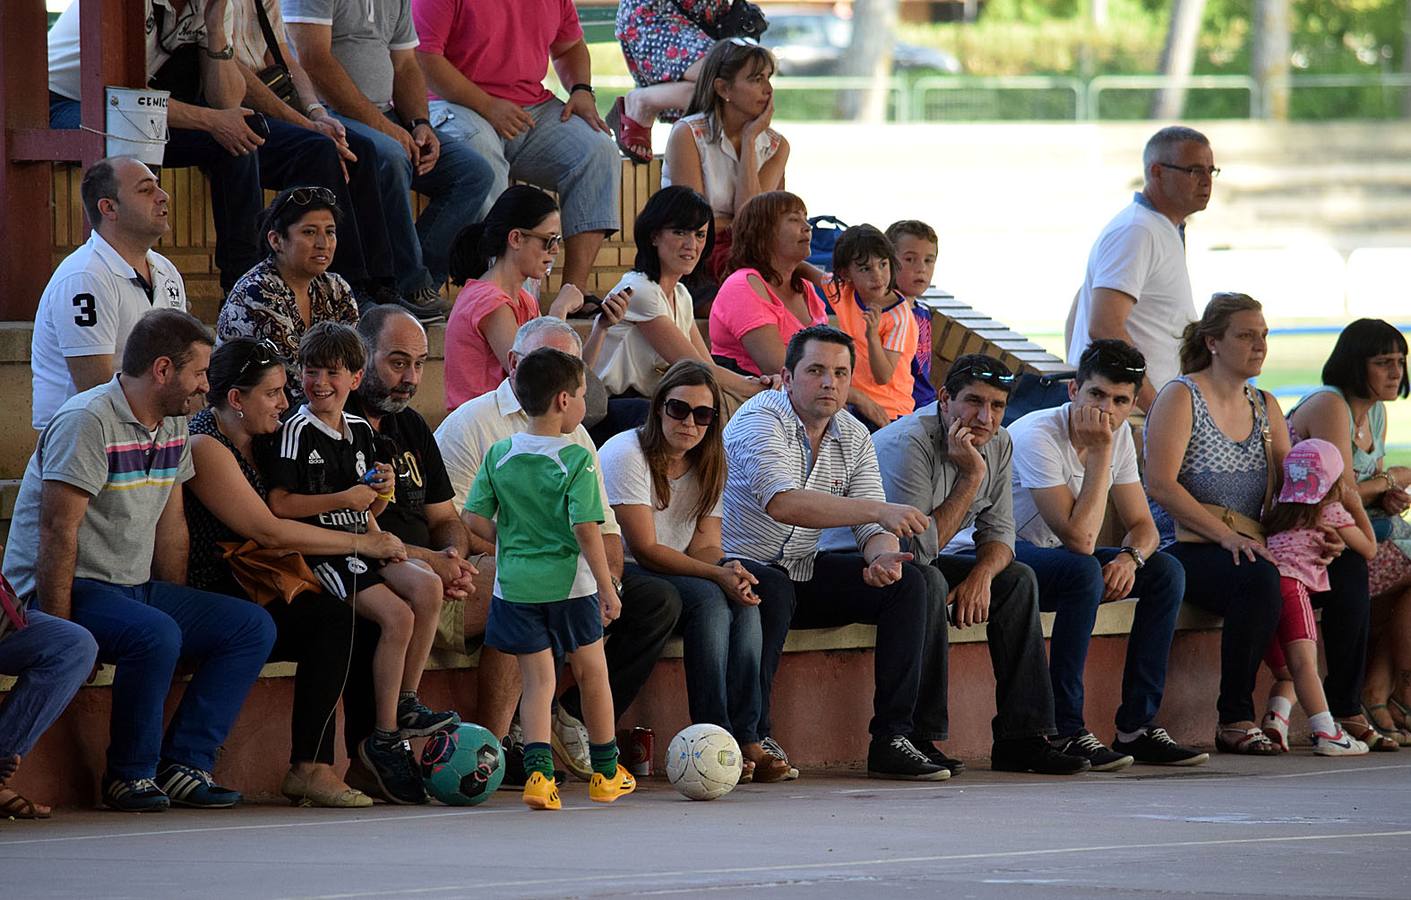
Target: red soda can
641,750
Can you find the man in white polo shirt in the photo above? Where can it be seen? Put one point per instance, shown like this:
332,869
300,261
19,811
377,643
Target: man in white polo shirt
97,295
1137,288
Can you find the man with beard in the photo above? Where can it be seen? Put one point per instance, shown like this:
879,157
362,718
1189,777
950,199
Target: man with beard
421,511
99,537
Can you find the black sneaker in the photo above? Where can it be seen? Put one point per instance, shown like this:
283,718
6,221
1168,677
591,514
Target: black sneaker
137,795
416,719
1087,746
1155,747
369,295
1034,754
938,756
193,788
391,765
426,304
897,758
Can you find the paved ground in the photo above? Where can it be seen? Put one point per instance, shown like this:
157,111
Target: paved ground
1299,826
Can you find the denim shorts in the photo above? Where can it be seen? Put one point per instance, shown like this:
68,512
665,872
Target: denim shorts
562,626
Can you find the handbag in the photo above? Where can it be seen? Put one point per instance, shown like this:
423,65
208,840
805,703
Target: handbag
826,231
275,77
269,573
743,20
1234,520
12,617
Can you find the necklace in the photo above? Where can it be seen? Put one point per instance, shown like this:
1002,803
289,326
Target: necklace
1361,425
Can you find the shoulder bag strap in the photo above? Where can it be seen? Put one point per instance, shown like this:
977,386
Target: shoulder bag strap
270,40
1257,405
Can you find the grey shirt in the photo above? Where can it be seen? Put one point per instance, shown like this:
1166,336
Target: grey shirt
364,34
916,470
95,443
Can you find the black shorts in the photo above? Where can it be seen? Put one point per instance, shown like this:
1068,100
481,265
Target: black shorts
342,575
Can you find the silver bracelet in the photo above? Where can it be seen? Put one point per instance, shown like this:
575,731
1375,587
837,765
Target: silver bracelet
309,110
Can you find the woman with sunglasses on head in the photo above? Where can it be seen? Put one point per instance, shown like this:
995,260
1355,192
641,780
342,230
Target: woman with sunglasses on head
724,147
226,502
1365,371
1214,447
664,482
518,242
291,289
673,234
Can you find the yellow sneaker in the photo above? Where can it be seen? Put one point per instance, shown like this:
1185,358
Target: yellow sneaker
602,789
541,792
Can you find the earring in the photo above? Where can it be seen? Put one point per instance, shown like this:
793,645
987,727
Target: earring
240,414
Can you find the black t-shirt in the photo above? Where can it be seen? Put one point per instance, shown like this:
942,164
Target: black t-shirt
407,442
307,457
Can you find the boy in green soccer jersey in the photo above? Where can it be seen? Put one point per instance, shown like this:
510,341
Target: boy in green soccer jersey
536,497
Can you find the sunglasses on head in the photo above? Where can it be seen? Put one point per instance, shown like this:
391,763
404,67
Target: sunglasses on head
680,409
263,354
1113,360
987,374
304,196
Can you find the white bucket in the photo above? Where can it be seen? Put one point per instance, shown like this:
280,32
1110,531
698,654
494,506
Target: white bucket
136,123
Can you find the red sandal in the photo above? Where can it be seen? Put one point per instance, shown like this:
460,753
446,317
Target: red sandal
629,133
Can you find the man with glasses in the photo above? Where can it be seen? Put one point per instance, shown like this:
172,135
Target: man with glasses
952,460
1137,288
1068,461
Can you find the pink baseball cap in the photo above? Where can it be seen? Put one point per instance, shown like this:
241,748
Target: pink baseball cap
1311,469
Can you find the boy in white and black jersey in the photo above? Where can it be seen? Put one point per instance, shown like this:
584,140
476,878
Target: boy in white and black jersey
322,469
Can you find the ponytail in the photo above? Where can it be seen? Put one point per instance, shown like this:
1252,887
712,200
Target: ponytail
520,206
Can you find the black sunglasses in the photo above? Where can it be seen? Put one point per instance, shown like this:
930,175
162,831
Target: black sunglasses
263,354
985,373
304,196
680,409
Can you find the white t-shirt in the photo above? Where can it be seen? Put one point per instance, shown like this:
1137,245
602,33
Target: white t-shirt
629,482
1044,457
89,307
627,360
1141,254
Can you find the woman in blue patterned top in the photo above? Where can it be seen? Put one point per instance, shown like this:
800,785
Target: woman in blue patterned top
1211,438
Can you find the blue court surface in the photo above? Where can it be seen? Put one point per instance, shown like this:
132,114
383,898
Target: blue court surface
1298,826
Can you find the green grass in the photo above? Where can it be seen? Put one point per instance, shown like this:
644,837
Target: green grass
1295,363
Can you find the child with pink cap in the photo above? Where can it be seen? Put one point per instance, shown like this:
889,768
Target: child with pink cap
1309,506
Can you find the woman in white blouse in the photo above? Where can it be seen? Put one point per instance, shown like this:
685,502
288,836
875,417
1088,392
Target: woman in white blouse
664,482
673,233
724,147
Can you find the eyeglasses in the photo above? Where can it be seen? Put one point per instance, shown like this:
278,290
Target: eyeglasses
304,196
263,354
1198,171
551,241
680,409
986,373
744,42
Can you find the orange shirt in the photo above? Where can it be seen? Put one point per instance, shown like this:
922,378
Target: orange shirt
898,332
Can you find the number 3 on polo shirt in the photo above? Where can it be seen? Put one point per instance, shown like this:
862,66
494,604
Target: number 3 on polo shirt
85,310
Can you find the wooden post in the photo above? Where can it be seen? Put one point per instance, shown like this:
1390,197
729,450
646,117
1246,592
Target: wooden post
113,52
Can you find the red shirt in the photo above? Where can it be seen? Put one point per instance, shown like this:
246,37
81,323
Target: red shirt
472,368
500,45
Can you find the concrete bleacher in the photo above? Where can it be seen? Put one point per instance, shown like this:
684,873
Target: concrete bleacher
823,693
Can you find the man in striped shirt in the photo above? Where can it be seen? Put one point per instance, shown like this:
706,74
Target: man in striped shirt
799,463
99,537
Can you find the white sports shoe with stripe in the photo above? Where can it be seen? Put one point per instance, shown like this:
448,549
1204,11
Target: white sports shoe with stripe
1340,744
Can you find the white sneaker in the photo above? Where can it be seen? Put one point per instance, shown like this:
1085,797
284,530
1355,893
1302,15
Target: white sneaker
1276,729
1340,744
569,738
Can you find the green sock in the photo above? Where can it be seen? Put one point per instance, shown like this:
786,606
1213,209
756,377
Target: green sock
604,757
539,758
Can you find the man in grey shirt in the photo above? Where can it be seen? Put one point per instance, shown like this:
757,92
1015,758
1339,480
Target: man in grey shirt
951,459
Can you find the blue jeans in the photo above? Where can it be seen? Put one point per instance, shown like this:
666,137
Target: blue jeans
236,197
51,658
573,159
723,641
1070,584
457,188
144,630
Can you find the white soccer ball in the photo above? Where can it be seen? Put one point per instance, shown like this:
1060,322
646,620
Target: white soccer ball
703,762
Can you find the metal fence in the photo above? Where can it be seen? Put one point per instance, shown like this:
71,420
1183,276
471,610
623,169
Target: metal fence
963,98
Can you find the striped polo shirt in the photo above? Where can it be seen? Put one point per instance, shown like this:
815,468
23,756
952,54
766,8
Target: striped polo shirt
95,443
767,450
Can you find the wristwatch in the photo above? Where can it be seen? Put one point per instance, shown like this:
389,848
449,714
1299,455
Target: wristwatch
411,125
582,86
227,53
1135,554
616,584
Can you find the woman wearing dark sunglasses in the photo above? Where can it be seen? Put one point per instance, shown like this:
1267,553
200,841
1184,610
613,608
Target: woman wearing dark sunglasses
225,502
664,481
291,289
491,260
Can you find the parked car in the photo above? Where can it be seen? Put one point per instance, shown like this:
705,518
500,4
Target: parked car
811,42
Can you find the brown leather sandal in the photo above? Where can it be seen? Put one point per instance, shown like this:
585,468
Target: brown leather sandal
16,807
1368,734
